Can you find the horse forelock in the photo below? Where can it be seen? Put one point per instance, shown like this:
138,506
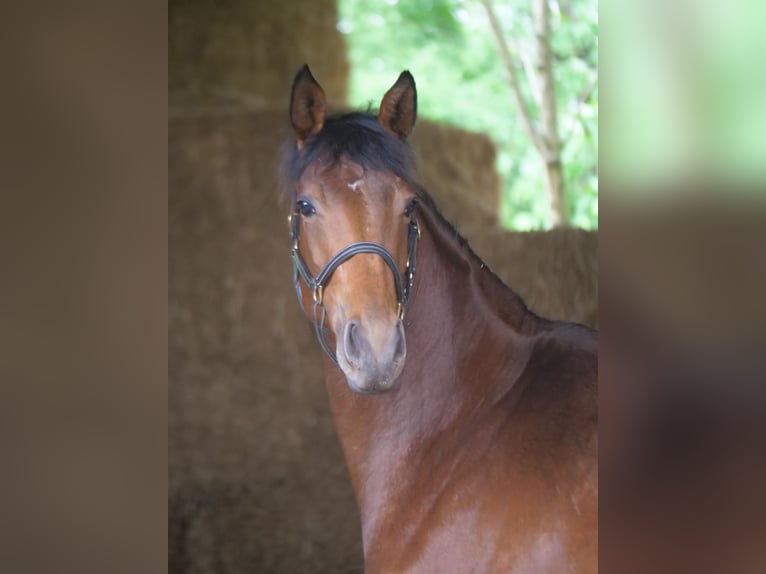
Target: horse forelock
356,137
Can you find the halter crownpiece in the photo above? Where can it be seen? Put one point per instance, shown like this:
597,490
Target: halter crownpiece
402,283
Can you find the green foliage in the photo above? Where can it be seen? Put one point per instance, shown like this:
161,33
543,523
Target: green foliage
448,47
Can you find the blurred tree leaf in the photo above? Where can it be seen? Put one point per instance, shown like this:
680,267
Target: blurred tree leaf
448,47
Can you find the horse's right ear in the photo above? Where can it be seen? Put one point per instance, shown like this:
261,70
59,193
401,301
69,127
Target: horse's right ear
307,105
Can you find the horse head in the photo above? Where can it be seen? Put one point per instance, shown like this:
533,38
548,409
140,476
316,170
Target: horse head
353,228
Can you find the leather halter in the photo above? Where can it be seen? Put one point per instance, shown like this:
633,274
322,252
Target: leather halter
402,283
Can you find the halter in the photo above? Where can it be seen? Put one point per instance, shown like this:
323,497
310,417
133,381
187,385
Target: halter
402,283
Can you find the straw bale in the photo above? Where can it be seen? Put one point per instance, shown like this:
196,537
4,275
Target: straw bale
458,167
257,481
222,51
555,272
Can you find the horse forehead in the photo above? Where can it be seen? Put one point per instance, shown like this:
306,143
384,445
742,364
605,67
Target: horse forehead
374,189
373,196
349,171
332,174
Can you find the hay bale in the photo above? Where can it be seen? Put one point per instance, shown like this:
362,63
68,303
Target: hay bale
458,168
242,50
257,478
555,272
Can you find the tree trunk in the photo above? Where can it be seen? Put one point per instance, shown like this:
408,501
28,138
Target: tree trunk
551,152
554,187
510,68
544,137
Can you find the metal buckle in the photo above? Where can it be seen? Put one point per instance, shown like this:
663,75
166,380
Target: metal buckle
318,294
400,311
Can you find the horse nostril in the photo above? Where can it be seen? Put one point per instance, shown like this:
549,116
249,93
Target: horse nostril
401,346
386,350
351,342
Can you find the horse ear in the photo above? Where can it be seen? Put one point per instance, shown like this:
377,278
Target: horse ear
399,106
307,105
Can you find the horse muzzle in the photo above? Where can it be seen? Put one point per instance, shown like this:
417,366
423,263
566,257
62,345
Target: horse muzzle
371,354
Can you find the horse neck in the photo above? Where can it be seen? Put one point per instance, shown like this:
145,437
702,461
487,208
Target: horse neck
465,340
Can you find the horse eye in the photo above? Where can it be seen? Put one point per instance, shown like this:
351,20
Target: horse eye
305,208
410,207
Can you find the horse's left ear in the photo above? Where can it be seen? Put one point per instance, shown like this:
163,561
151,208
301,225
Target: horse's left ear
399,106
307,105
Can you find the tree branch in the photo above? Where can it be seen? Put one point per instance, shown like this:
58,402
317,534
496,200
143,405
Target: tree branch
531,76
577,115
510,69
548,115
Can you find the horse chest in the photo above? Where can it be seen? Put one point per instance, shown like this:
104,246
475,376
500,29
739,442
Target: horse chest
483,522
466,545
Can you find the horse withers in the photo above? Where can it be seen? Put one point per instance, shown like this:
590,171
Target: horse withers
468,423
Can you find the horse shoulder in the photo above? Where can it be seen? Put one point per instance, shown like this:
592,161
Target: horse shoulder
562,370
550,441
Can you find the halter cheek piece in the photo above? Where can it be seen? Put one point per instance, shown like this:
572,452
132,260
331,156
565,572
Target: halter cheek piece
402,283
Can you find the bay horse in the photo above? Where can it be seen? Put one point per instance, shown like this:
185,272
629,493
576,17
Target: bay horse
468,423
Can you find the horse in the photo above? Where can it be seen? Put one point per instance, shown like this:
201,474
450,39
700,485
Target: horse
468,423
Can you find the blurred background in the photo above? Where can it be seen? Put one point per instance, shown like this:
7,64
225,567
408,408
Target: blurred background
489,71
505,141
256,482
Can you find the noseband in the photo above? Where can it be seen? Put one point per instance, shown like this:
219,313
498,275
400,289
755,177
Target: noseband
402,283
